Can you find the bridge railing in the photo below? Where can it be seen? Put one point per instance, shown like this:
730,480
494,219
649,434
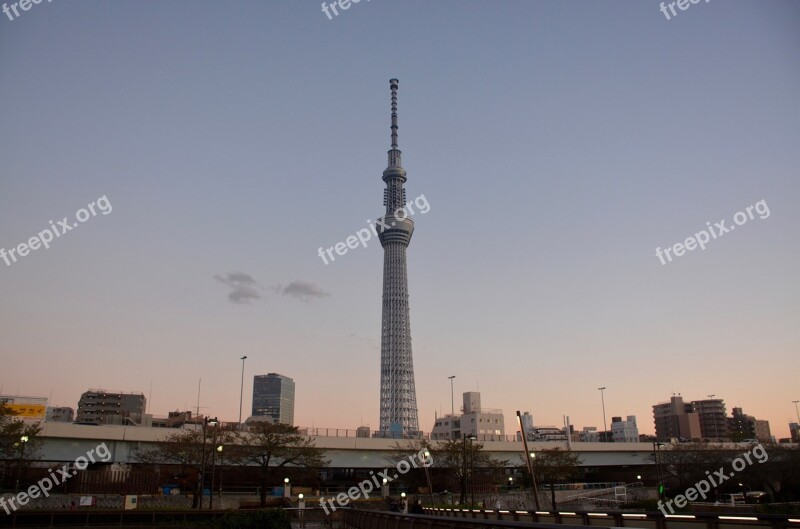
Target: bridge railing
649,520
355,519
310,518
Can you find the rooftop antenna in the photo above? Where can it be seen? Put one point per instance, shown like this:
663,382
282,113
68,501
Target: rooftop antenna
198,396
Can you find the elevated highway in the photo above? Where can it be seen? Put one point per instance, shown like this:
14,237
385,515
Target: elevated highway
64,442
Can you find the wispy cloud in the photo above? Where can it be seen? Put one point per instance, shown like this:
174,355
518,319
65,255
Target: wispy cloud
303,291
244,288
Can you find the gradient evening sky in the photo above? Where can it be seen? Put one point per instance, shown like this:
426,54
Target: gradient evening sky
558,143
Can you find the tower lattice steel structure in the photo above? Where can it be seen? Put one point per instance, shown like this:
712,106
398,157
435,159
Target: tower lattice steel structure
398,394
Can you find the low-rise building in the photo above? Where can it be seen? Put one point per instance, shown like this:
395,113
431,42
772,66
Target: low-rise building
589,434
99,406
794,431
547,433
483,423
59,414
624,431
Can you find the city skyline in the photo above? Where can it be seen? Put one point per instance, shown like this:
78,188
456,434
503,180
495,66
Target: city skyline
559,144
510,432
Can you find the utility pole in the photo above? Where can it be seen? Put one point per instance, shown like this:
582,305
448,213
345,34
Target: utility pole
528,458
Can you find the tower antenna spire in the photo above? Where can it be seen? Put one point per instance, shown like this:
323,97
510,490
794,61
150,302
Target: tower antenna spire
394,152
393,85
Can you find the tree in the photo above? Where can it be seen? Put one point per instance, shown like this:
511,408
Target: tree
188,448
416,477
555,465
272,447
458,459
774,469
19,443
686,463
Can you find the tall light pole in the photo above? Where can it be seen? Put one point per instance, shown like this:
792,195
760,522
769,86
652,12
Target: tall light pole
452,409
219,487
716,435
241,391
213,462
201,477
603,400
795,410
452,399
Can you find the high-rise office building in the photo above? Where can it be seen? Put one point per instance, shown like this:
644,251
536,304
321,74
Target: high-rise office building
273,398
398,398
98,406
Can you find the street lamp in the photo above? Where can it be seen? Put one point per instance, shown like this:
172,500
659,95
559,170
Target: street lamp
795,410
426,463
603,400
472,471
287,489
452,398
22,442
471,438
219,488
241,391
206,423
452,409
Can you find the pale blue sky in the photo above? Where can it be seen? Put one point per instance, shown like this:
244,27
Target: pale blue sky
558,144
